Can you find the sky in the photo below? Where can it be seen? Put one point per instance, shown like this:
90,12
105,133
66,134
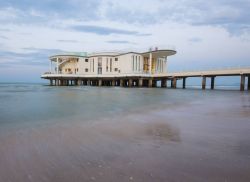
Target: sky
205,34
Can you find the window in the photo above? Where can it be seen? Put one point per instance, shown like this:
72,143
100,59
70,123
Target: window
86,60
86,70
116,59
116,69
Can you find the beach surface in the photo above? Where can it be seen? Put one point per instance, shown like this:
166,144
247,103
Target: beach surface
120,134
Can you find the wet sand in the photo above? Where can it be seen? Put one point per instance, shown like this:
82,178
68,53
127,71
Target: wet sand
195,142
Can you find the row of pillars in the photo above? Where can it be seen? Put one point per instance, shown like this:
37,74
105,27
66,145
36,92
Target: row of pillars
141,82
103,82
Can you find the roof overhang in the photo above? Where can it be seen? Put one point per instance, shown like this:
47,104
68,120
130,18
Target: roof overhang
159,53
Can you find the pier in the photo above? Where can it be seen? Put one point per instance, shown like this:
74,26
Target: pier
148,80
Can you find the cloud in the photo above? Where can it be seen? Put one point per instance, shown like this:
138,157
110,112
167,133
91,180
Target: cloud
68,41
120,42
232,15
3,37
32,56
100,30
195,39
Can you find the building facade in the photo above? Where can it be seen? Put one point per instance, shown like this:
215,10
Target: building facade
81,68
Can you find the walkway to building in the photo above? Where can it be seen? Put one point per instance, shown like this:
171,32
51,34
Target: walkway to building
147,80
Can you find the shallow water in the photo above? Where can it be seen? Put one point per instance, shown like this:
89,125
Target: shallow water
123,134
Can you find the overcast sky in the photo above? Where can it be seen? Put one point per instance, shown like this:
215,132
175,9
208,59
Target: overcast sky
205,34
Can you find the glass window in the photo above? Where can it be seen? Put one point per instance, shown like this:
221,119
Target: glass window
86,60
86,70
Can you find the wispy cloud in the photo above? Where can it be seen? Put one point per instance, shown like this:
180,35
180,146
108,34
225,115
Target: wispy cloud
120,42
33,56
68,41
195,39
100,30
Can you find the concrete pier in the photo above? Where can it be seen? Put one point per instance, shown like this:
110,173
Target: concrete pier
212,82
174,84
203,82
242,82
248,82
99,82
150,82
184,82
130,83
163,83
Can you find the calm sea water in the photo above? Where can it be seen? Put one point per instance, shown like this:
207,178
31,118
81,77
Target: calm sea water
37,103
110,134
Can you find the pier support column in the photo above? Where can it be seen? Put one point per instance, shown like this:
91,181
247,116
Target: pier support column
150,82
121,83
79,82
57,82
154,83
88,82
212,82
184,82
248,83
99,82
51,82
203,82
140,82
130,82
163,83
242,82
113,83
174,84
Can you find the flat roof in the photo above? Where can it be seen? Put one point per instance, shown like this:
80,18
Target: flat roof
155,53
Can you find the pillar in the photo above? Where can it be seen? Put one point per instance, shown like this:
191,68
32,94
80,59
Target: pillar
51,82
57,82
99,82
150,82
184,82
140,82
203,82
154,83
50,66
163,83
57,66
79,82
130,82
174,82
121,83
113,83
248,83
212,82
150,62
242,82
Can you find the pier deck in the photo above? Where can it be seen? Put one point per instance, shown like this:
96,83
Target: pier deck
140,79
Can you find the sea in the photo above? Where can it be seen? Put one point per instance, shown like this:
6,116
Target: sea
116,134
